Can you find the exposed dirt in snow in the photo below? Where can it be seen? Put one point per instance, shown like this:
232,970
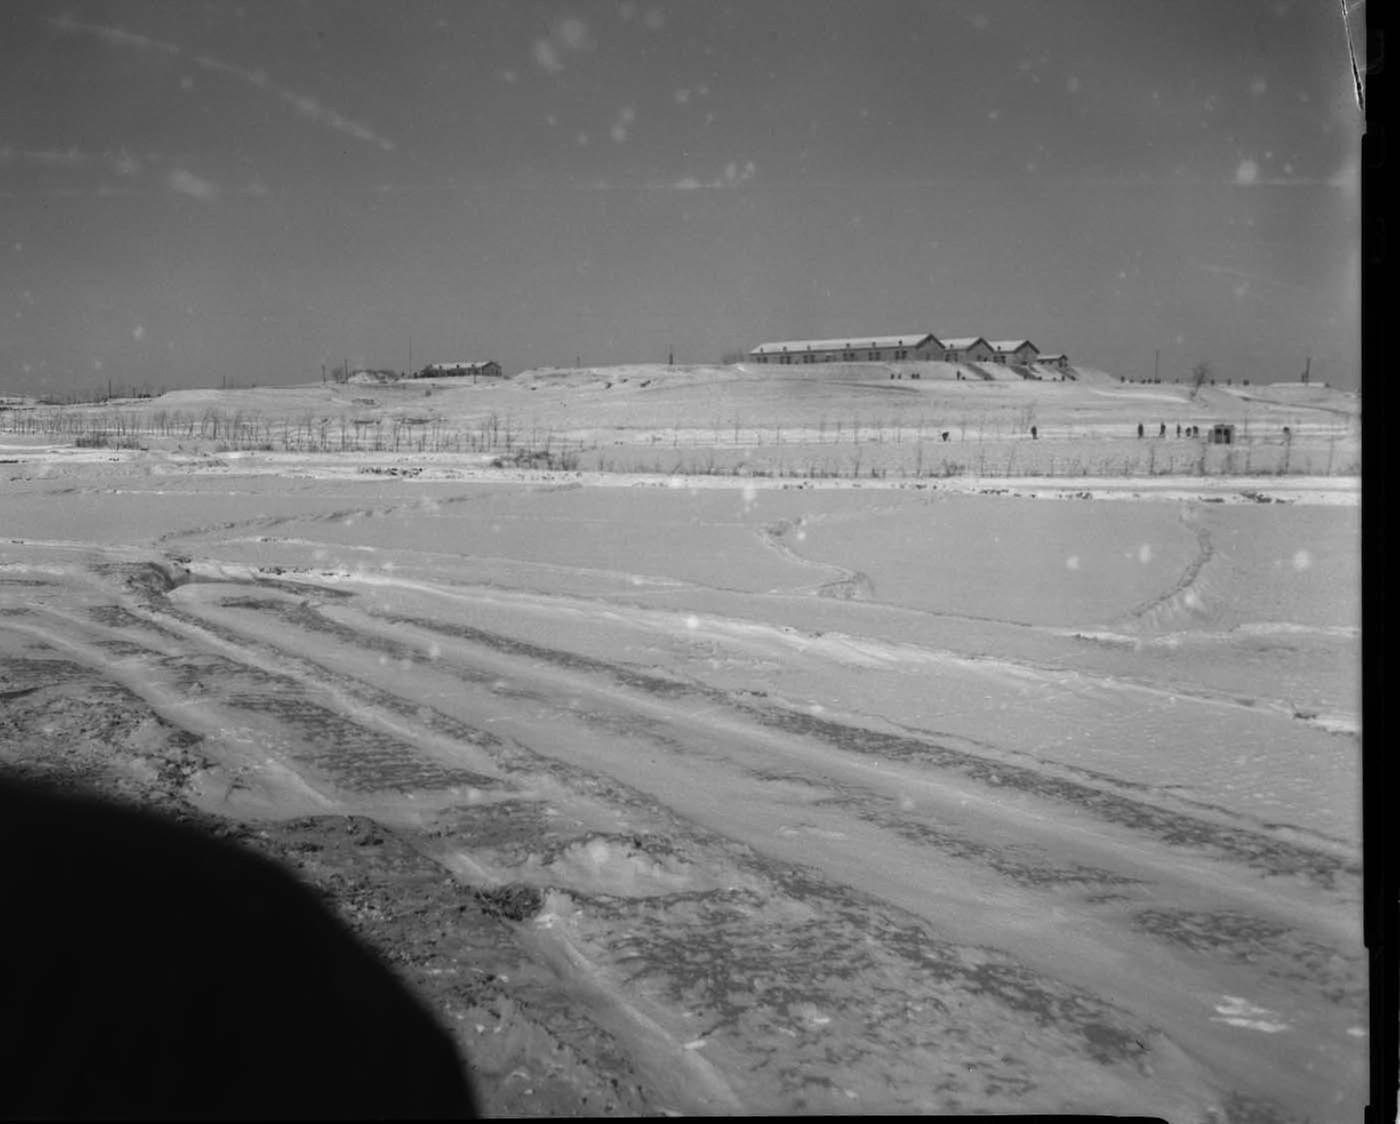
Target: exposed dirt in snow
697,799
531,1051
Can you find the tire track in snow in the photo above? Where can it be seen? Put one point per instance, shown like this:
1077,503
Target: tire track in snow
266,522
1017,996
1256,849
849,585
832,646
1183,594
1003,983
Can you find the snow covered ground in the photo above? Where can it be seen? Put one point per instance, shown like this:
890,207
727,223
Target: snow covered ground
969,794
850,421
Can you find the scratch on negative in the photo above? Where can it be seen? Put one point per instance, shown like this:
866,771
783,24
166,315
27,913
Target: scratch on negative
1356,78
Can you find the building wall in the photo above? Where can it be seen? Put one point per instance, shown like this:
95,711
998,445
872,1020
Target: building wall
490,369
1024,355
854,354
977,353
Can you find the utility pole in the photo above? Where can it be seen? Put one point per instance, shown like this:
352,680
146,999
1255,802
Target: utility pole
1156,356
410,353
323,372
1307,369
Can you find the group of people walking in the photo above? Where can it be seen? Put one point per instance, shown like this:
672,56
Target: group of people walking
1189,431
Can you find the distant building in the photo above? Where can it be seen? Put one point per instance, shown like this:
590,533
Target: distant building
1014,351
853,349
489,369
910,346
1222,433
968,349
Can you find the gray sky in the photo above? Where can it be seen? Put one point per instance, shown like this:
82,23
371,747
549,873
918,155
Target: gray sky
191,191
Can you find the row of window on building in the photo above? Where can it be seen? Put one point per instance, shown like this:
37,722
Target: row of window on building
915,346
488,368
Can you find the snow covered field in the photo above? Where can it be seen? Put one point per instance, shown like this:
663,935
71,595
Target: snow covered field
940,795
848,421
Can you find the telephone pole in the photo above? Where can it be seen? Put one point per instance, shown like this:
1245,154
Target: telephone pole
1156,356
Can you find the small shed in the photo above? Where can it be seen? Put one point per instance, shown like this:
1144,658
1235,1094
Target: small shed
1222,433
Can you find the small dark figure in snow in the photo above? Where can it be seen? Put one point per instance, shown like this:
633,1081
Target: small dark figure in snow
1178,429
1139,429
944,435
1163,431
1287,432
1033,433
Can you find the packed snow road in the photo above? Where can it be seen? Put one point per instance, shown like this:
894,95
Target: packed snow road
842,801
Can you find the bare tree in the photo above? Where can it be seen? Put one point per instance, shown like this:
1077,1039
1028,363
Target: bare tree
1200,374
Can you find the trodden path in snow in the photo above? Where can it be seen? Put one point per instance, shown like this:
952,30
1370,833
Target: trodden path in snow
774,904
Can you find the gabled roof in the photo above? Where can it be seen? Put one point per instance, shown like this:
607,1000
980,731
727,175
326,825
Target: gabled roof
962,343
1057,355
1012,345
847,343
460,366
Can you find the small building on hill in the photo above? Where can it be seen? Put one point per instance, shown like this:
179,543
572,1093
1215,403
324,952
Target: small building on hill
1014,351
1059,361
1222,433
968,349
853,349
488,369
